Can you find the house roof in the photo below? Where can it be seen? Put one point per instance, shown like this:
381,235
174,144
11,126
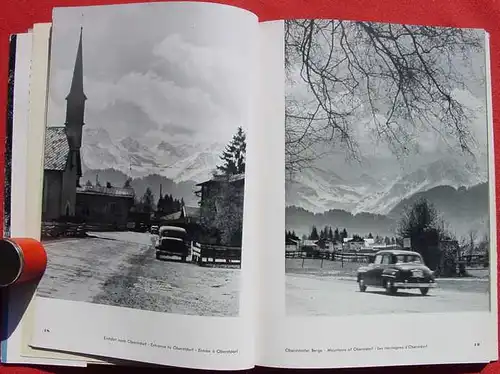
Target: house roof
192,211
186,211
106,191
223,178
56,148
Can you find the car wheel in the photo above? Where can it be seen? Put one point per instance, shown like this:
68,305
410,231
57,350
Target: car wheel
424,291
362,285
389,287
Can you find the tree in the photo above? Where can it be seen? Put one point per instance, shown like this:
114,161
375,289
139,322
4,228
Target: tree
148,201
421,223
330,234
370,236
233,156
88,184
400,77
314,234
343,235
128,183
336,236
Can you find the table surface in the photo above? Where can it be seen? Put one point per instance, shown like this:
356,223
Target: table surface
19,15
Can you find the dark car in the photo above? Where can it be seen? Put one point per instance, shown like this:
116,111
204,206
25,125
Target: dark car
396,269
173,241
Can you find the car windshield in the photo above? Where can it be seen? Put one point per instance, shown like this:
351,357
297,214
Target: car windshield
173,234
414,259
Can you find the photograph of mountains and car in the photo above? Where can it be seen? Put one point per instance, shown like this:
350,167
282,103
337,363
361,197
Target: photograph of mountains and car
387,195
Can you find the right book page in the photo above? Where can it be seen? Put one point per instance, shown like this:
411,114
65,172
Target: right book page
381,241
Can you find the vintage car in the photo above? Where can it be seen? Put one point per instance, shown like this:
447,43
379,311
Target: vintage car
396,269
172,241
154,230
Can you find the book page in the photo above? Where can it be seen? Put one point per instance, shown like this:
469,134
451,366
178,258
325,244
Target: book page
384,192
146,204
30,57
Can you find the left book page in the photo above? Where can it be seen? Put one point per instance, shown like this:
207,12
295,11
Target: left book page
146,184
28,57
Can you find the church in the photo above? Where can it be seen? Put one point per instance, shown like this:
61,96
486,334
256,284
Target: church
63,196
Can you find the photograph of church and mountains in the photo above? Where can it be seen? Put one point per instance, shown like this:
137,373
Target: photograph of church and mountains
145,161
387,195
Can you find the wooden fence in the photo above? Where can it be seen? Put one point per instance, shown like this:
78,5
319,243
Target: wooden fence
54,230
215,255
343,256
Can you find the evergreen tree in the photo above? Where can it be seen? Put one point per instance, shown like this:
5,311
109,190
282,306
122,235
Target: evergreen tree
370,236
128,183
148,201
343,235
330,234
233,156
336,236
314,234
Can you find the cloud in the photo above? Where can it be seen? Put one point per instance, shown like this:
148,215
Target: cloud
164,71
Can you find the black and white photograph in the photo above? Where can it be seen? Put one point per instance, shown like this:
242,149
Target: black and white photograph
387,169
144,164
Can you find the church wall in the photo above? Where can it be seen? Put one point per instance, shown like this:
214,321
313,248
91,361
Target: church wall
68,193
52,184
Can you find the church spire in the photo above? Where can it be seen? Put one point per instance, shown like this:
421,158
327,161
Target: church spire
76,90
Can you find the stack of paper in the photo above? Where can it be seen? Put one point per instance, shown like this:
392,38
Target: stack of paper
160,151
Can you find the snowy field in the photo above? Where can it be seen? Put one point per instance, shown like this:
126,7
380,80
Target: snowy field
333,291
120,269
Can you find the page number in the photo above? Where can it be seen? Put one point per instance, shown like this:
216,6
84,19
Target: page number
46,330
477,344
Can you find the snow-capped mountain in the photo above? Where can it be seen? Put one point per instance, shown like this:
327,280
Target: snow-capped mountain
137,158
375,191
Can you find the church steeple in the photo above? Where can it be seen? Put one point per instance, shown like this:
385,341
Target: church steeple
75,101
76,91
75,112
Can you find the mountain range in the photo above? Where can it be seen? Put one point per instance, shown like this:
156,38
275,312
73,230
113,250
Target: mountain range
177,161
362,197
463,210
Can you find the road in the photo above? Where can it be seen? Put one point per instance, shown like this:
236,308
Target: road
120,269
312,295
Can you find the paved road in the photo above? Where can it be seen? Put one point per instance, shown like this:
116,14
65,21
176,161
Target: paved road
310,295
121,269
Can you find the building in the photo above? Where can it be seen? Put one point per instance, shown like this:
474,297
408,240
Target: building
109,205
292,245
63,197
221,209
62,160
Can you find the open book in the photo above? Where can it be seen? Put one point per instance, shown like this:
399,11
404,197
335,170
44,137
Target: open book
171,145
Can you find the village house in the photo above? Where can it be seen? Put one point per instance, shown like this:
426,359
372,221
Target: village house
104,204
292,245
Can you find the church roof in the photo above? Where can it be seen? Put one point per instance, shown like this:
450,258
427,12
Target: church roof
56,149
107,191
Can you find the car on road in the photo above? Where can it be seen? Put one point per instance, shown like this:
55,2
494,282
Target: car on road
173,241
154,230
396,269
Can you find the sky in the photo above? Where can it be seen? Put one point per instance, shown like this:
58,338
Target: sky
431,146
156,71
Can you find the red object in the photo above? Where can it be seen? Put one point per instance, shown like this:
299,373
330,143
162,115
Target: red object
21,260
19,15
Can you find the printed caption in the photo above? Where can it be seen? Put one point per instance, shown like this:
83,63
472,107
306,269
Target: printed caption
171,347
356,349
